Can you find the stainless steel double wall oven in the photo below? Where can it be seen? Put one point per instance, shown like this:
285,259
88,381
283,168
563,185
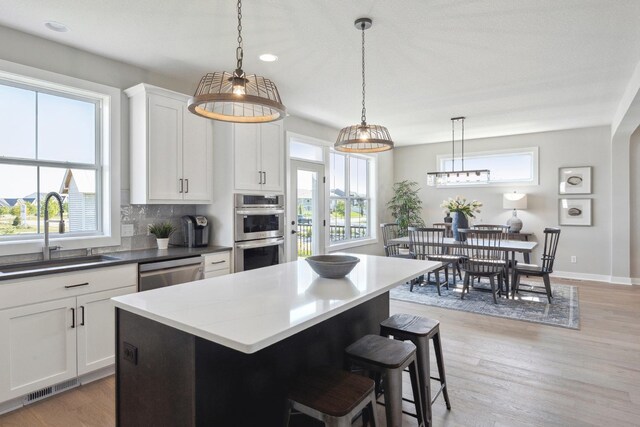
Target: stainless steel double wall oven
259,230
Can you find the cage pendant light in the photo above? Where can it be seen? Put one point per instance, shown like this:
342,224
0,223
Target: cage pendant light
237,97
461,176
363,138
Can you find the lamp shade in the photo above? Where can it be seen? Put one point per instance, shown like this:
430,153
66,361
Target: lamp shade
514,201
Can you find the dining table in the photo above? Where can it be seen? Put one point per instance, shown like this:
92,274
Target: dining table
510,247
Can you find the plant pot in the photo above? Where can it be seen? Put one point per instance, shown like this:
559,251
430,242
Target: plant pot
163,243
460,222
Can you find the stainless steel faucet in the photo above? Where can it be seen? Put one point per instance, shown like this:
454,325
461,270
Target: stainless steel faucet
46,251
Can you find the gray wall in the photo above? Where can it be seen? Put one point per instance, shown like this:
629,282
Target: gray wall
575,147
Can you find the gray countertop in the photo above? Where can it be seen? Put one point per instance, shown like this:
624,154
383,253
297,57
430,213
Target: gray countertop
16,271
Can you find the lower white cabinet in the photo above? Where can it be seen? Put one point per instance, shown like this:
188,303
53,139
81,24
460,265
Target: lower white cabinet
217,264
45,343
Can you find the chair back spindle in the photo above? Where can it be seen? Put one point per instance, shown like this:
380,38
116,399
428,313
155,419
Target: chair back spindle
551,238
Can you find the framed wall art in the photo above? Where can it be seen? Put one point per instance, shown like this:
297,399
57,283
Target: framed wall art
575,212
575,180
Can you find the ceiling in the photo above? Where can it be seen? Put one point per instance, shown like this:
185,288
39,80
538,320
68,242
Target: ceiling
509,66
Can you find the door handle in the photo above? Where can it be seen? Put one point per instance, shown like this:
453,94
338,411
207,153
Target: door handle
82,317
259,177
294,232
73,318
181,186
265,178
187,183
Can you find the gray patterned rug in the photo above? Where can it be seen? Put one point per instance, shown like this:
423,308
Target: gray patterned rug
564,311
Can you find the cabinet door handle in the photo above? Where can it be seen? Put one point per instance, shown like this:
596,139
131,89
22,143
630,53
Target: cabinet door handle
219,262
82,317
181,186
76,286
187,184
264,181
73,318
259,177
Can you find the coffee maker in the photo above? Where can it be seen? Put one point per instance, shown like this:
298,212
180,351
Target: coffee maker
195,231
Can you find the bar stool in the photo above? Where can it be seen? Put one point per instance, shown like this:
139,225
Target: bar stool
419,331
332,396
388,358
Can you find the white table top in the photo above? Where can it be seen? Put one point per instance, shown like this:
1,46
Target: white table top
505,245
251,310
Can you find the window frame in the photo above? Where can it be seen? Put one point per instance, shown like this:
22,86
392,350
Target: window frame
370,237
535,180
106,162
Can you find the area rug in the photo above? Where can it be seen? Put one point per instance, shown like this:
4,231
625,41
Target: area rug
564,311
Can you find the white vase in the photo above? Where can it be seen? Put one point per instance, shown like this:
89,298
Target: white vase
163,243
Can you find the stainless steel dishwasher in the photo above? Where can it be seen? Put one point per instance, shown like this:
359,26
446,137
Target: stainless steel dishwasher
153,275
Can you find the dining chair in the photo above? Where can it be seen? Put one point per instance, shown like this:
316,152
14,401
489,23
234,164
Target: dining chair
446,226
390,231
551,238
428,244
504,228
482,257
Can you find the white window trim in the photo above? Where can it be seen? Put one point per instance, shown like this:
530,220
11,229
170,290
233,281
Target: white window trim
110,98
535,167
371,197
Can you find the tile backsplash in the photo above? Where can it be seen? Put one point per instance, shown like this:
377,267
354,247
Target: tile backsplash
140,216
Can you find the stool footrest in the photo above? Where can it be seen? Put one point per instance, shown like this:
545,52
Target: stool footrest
411,414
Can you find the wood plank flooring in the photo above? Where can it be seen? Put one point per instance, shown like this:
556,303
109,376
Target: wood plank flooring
501,372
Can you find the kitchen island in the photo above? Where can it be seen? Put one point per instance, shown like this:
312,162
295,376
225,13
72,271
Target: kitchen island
220,351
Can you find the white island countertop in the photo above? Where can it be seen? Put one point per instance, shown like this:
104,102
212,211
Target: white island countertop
251,310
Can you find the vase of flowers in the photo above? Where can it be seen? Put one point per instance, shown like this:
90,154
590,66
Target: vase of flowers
162,231
462,210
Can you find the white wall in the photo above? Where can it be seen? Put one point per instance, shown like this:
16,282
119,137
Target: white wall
575,147
635,206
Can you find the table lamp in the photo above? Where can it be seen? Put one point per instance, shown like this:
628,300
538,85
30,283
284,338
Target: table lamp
514,201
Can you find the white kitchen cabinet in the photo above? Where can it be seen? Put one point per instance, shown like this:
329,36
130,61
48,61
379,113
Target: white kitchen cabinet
96,329
259,157
217,264
171,149
38,347
56,327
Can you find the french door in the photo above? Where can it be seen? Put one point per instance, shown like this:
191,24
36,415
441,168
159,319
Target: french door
306,209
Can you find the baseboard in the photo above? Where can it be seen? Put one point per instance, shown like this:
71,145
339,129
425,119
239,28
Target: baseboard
97,375
11,405
615,280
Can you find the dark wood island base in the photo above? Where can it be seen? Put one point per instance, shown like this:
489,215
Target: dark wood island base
166,377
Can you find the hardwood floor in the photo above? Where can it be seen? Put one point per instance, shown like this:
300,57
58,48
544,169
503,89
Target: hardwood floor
501,372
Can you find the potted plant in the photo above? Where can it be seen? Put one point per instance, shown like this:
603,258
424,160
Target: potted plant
406,206
162,231
462,211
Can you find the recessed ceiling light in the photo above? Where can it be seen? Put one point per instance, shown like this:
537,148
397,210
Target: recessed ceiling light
56,26
268,57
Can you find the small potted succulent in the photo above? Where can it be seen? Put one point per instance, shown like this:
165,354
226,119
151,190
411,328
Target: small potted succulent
162,231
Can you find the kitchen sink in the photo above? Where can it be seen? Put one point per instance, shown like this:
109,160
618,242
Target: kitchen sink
54,264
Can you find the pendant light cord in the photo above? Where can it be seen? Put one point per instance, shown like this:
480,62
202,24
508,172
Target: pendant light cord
462,158
453,145
363,118
239,52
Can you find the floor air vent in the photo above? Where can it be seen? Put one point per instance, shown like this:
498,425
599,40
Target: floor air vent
49,391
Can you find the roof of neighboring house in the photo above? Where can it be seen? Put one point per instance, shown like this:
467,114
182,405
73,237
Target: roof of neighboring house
4,203
12,201
31,198
85,181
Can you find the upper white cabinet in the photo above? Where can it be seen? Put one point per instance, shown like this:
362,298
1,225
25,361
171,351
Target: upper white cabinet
171,150
258,157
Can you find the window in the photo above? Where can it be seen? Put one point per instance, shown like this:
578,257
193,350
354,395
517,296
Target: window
57,134
516,166
349,197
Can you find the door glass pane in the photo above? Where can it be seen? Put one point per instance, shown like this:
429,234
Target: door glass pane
78,190
337,221
337,179
306,209
18,199
359,213
66,129
17,122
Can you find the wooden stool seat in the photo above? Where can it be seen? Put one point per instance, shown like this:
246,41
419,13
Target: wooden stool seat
331,391
420,331
332,396
415,325
381,351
